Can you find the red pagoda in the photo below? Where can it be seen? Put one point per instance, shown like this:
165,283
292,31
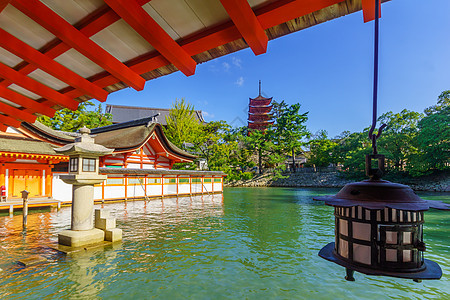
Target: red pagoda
259,108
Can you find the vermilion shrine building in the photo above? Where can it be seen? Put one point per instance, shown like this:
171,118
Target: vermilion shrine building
139,167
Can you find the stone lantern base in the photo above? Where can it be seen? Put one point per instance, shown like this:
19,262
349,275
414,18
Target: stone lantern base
79,238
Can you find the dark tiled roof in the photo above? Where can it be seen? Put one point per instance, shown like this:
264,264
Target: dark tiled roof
125,136
25,145
122,113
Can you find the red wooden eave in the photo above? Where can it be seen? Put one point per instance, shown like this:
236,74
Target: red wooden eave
17,113
9,121
132,13
248,25
31,55
51,21
3,4
37,87
26,102
267,17
368,7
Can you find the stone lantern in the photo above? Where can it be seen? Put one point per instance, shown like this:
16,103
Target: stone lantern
83,174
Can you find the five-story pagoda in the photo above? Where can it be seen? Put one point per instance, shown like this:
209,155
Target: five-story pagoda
259,112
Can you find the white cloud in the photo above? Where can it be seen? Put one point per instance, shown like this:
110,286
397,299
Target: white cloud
207,114
237,62
226,66
240,81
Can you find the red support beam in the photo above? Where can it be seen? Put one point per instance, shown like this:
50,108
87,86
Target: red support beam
37,87
218,36
3,4
132,13
368,8
248,25
31,55
90,25
51,21
3,127
26,102
9,121
17,113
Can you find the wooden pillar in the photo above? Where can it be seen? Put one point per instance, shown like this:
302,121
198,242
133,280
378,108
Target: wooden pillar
190,184
125,179
48,181
142,157
178,182
2,174
202,183
162,185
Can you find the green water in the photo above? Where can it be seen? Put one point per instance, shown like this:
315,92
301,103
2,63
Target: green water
247,244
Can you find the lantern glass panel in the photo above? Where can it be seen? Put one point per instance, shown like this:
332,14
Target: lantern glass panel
391,237
88,164
361,231
407,238
73,164
343,225
343,248
361,254
391,255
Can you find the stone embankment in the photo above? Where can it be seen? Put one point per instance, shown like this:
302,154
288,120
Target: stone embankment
435,183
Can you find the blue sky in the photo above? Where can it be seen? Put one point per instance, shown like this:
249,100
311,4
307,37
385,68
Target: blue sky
326,68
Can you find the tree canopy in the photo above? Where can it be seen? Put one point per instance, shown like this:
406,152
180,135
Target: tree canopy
70,121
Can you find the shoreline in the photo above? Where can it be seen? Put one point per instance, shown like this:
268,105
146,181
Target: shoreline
430,183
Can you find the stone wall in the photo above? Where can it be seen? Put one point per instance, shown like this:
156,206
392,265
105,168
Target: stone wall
437,183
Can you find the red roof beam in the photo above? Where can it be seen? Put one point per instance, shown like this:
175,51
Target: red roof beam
368,8
222,35
32,105
51,21
3,127
3,4
16,113
248,25
31,55
90,25
9,121
37,87
132,13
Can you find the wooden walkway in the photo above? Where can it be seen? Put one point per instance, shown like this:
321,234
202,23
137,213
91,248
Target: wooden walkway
13,204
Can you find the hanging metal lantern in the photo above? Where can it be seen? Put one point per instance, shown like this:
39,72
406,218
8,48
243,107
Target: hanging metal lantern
379,224
379,230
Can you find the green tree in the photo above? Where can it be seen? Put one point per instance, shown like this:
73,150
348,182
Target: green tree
321,150
70,121
290,130
396,142
432,140
350,152
182,123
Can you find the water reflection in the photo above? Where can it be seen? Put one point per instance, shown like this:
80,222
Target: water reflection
247,243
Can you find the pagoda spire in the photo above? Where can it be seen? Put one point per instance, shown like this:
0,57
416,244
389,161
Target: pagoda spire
260,87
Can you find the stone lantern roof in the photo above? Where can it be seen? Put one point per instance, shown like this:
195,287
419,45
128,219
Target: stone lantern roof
84,144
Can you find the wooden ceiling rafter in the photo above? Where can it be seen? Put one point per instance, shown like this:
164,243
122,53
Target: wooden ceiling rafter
50,66
135,16
368,7
63,30
248,25
33,106
37,87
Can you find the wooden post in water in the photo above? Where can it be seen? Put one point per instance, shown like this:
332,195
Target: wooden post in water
11,210
25,194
